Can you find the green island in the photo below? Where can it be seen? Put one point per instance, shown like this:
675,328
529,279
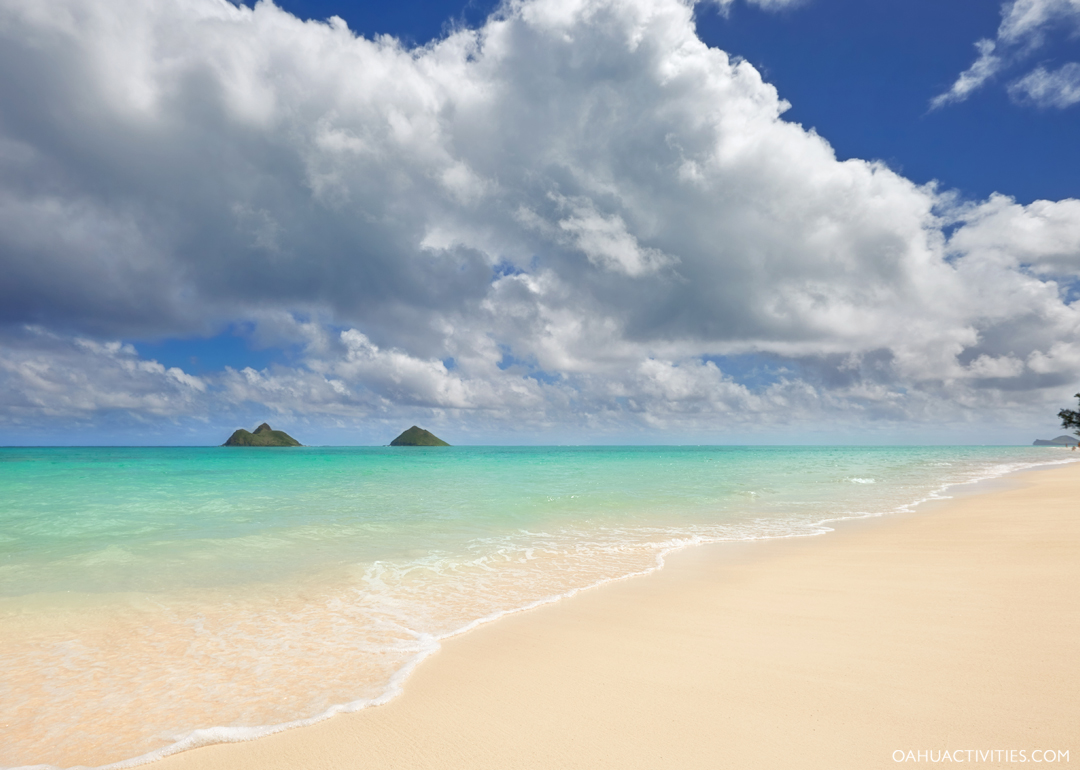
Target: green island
415,436
264,435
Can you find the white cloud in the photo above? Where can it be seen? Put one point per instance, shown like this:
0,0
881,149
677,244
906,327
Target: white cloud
1024,27
606,242
46,375
1049,88
986,366
767,5
1043,236
1026,22
1061,357
578,214
988,64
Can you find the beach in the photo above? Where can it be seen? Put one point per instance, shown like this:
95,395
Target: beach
955,628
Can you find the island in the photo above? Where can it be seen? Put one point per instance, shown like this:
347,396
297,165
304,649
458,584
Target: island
1059,441
264,435
415,436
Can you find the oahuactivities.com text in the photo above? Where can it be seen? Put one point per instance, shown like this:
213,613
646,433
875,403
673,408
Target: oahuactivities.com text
955,756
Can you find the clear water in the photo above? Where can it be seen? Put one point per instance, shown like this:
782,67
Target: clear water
158,598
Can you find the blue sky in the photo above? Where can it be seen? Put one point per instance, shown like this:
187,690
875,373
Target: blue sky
862,74
524,228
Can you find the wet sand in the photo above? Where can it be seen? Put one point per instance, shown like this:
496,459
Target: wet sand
956,628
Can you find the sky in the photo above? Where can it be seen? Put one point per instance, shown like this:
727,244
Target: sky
539,222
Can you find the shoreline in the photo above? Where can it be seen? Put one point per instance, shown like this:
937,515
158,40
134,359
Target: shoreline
319,738
218,735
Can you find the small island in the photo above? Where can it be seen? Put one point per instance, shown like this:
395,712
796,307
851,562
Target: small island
264,435
415,436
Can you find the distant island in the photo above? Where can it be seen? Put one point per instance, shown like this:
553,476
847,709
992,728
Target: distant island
1059,441
264,435
415,436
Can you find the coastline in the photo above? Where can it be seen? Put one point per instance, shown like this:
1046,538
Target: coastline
951,628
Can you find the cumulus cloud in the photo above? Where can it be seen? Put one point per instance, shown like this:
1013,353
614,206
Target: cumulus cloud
1024,29
1043,236
45,374
577,214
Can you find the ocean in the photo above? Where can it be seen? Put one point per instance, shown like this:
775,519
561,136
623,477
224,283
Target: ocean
153,599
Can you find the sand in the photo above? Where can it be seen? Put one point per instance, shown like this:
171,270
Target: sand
956,628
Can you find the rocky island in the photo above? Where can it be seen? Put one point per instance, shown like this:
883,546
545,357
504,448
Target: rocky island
415,436
264,435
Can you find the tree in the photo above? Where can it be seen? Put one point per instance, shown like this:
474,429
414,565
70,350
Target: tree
1070,419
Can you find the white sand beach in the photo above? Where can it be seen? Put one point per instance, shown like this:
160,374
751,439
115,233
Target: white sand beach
954,629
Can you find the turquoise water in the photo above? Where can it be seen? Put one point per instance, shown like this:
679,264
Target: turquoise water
148,595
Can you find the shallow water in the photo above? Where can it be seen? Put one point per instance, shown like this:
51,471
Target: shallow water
149,595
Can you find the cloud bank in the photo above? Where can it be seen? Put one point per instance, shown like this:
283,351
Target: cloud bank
576,216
